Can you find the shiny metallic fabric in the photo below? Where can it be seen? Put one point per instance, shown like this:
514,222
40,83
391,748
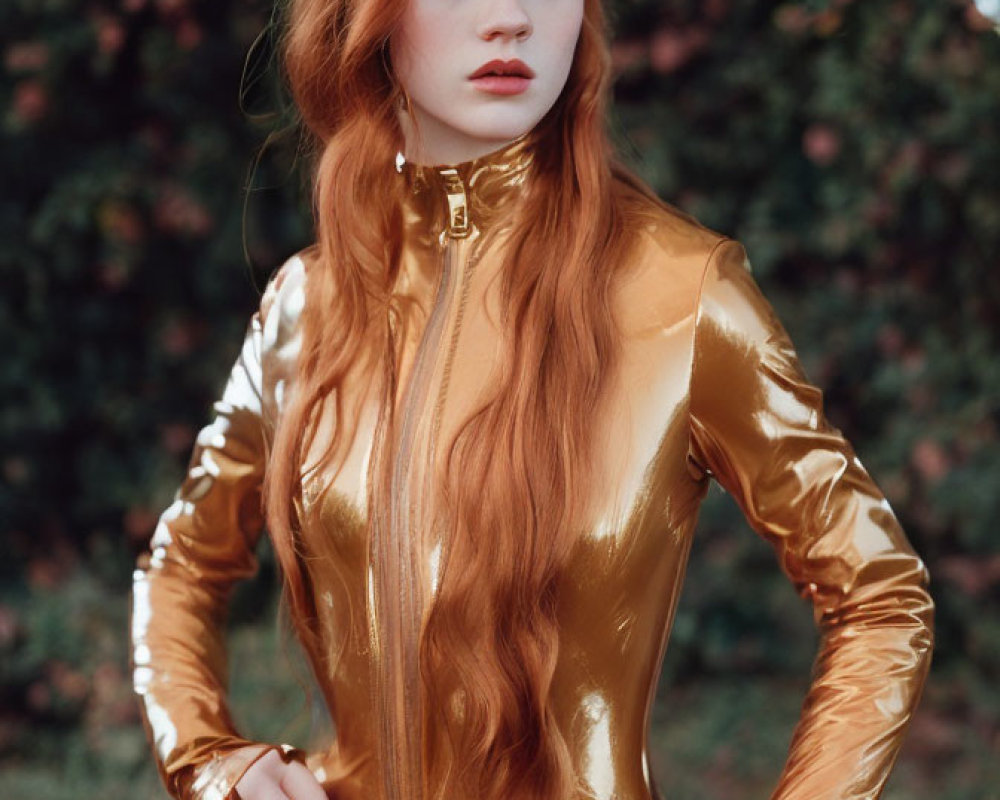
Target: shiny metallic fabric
708,386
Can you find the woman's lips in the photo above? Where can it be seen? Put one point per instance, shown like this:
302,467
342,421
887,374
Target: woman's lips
503,77
501,84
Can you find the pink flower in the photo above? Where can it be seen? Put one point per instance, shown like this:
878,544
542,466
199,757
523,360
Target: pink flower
827,22
930,460
179,338
10,626
121,222
189,34
113,275
178,211
139,522
890,340
671,48
715,10
68,682
170,6
26,56
793,19
177,437
110,35
44,573
667,51
31,101
821,143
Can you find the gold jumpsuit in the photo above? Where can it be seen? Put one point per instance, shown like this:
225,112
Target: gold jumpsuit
709,386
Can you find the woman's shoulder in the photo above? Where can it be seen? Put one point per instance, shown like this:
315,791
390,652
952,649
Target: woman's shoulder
284,294
672,247
279,318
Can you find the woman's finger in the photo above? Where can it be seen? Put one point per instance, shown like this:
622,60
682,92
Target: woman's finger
300,784
262,780
270,791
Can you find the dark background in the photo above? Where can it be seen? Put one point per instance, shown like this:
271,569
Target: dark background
152,180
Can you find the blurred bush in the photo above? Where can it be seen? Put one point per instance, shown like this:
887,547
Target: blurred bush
153,179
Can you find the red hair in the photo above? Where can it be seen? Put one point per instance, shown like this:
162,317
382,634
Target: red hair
492,633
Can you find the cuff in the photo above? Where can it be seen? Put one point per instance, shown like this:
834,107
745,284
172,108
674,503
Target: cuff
217,778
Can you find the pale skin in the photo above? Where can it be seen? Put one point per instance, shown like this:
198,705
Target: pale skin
439,44
270,778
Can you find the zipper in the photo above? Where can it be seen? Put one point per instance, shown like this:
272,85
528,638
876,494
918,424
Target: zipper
398,536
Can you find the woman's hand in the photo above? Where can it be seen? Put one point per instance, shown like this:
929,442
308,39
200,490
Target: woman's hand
270,778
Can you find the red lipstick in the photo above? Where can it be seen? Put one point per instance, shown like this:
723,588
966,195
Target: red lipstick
503,77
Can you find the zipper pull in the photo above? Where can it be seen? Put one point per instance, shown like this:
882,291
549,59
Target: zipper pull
458,206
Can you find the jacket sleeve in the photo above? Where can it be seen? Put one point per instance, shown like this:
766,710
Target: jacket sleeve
203,543
758,427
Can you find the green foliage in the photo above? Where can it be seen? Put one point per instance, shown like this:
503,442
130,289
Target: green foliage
128,246
852,147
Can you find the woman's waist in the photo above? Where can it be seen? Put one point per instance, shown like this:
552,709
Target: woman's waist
358,775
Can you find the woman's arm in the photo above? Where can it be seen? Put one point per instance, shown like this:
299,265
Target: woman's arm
757,426
203,543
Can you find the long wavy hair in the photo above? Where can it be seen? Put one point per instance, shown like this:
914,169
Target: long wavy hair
492,633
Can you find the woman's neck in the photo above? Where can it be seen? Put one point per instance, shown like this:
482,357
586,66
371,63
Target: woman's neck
440,145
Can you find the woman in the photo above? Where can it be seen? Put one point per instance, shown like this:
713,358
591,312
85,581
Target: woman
481,413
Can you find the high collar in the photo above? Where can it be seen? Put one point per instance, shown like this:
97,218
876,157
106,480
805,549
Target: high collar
464,199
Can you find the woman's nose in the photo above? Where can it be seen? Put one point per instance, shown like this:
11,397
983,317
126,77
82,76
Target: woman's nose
505,19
